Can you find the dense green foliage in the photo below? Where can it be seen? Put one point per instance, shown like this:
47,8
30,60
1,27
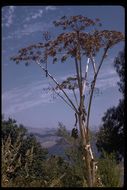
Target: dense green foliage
26,164
119,64
109,171
73,152
22,155
111,135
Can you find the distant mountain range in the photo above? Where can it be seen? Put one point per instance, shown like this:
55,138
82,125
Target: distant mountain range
56,145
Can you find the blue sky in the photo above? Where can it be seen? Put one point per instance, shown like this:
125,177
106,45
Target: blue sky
22,87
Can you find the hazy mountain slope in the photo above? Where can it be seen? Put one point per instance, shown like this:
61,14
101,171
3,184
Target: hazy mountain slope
55,145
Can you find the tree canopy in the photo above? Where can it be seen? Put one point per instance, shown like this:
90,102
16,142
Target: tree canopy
111,135
119,64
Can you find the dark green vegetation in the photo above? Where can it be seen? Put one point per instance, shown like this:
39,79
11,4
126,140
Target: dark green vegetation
26,164
111,135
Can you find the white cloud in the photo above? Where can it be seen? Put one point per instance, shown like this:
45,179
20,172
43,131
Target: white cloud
36,27
7,37
8,16
24,97
12,8
28,26
107,77
34,15
51,8
109,82
39,14
28,29
107,71
30,95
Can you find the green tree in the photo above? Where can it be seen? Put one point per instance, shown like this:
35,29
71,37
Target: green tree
119,64
109,170
76,177
73,151
111,134
23,158
10,127
74,44
12,164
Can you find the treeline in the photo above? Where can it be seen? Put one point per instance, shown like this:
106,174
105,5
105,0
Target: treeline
26,164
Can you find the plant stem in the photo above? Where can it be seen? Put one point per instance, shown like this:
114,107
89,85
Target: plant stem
93,86
58,86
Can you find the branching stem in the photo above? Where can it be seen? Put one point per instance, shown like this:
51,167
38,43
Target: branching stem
93,86
72,104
